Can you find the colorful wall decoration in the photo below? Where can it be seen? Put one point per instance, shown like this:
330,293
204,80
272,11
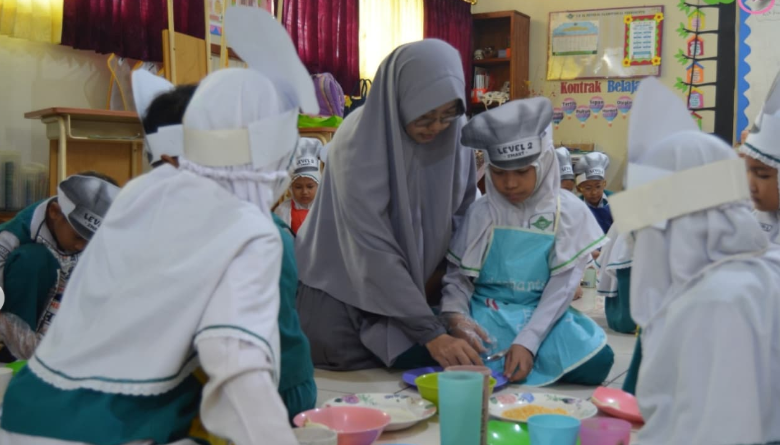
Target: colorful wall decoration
605,43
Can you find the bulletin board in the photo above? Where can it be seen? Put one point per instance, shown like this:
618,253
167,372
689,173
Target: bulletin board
605,43
758,60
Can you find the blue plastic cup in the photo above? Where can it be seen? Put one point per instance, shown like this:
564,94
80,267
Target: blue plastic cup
460,407
553,429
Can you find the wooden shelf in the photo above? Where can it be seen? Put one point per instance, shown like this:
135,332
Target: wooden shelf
503,30
494,61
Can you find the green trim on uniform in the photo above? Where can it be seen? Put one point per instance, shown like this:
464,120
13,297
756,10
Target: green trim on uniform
577,255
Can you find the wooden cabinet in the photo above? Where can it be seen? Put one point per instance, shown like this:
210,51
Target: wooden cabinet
504,30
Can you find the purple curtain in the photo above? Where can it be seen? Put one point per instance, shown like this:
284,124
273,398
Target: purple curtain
450,20
325,32
128,28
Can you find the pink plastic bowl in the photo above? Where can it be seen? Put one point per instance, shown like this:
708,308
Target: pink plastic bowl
354,425
617,403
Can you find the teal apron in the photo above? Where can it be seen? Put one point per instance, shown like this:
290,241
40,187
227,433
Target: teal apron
507,291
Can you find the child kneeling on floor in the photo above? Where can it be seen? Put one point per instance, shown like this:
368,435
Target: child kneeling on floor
39,249
517,262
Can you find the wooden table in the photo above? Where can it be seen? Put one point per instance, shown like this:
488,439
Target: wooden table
110,142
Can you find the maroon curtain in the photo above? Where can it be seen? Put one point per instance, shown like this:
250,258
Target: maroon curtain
326,35
450,20
128,28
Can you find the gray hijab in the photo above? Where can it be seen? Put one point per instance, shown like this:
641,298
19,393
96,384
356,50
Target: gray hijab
386,208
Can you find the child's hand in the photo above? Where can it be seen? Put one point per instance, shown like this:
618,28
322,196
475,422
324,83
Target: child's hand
451,351
519,362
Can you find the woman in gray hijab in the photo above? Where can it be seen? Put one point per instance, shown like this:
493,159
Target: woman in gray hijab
396,184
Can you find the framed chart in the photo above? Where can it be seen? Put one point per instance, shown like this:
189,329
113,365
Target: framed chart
605,43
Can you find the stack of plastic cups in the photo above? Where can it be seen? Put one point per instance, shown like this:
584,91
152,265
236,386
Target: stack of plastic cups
486,374
460,407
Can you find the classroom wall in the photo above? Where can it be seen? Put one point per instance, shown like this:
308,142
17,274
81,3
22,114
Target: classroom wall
40,75
611,140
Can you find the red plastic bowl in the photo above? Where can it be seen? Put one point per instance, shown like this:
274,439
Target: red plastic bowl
617,403
355,425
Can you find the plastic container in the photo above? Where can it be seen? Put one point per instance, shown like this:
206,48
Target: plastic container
486,375
428,386
460,410
354,425
602,431
553,429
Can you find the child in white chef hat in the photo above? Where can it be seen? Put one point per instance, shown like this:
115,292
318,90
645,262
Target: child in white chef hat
39,249
762,158
165,290
516,263
305,182
567,171
594,167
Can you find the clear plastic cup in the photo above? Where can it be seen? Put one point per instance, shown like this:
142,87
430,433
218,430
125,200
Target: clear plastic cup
605,431
553,429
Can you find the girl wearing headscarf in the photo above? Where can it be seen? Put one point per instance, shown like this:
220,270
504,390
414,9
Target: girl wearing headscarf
201,291
517,261
705,283
762,150
396,183
303,189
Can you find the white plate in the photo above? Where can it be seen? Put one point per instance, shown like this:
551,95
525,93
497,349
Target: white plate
404,411
550,404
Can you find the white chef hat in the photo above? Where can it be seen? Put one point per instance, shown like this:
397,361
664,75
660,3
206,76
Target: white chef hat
763,141
84,200
512,134
307,164
168,140
564,161
593,165
694,173
224,125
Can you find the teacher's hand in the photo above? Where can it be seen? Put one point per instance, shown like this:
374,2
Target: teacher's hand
451,351
519,362
464,327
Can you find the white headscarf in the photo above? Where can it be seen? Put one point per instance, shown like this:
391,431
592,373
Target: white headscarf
686,272
234,98
666,261
241,124
763,144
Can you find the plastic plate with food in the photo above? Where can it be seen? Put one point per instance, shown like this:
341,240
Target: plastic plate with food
518,407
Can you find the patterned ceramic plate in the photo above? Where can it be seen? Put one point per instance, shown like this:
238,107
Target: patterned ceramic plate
518,407
404,411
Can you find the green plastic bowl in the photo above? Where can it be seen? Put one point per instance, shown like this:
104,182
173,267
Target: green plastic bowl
17,366
428,386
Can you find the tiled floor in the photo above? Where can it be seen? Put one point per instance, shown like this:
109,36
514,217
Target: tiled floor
335,384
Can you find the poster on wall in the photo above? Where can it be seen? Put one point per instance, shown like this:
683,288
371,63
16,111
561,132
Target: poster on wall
605,43
216,9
